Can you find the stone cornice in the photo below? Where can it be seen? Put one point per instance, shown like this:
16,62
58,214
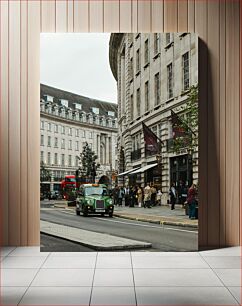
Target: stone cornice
114,43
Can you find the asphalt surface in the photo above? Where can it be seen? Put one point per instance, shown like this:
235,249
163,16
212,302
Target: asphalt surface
163,238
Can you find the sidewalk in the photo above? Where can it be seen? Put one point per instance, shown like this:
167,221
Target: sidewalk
158,214
97,241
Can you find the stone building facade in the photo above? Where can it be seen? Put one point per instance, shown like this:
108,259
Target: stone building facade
154,73
69,121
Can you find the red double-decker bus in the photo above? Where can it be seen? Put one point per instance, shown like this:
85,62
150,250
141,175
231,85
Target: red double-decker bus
67,186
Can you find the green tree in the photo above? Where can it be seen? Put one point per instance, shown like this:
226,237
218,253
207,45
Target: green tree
88,165
189,122
44,174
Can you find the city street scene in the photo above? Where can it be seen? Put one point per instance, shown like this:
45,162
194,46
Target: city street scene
119,142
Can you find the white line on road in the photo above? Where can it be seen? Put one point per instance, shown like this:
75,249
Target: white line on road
146,225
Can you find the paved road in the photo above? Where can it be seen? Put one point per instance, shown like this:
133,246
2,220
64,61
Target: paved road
166,238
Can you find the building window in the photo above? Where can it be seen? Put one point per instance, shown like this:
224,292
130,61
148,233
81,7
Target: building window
77,161
112,114
56,159
62,143
64,102
49,158
56,128
168,38
95,110
56,142
70,145
49,127
169,81
138,102
185,68
42,125
77,133
42,156
131,68
62,130
146,96
146,52
69,161
132,107
42,140
90,135
49,141
70,132
156,43
77,145
63,159
137,61
83,134
157,89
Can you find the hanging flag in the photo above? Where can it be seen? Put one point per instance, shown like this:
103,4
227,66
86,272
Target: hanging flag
152,142
178,129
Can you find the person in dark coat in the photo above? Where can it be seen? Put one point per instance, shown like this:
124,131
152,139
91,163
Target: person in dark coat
173,196
192,201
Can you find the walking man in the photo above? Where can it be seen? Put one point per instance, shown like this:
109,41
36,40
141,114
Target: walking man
173,196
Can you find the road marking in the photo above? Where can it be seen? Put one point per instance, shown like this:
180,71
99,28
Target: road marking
146,225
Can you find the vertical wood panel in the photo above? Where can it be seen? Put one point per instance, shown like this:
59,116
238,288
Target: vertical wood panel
191,15
81,16
111,16
232,122
170,16
14,121
201,30
61,16
183,15
33,212
134,16
213,123
125,16
4,137
23,123
70,16
48,16
144,16
96,16
222,79
157,16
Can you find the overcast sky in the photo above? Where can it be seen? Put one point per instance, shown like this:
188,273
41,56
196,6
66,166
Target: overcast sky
78,63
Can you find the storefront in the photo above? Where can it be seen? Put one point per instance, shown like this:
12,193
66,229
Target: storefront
181,169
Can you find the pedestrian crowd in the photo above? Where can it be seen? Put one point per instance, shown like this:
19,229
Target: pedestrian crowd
151,196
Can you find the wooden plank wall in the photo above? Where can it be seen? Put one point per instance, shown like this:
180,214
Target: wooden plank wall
216,22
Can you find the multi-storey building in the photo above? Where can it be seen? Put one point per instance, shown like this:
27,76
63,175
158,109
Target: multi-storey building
67,122
154,73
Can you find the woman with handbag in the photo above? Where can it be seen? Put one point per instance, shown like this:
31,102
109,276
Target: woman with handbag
191,200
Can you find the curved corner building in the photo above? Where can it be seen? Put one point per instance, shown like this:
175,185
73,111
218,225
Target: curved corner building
153,74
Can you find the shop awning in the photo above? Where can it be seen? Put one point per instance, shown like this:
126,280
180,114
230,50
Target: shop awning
126,172
143,169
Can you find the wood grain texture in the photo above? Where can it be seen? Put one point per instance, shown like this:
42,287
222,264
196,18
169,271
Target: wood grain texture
125,16
81,16
144,16
4,136
222,123
48,16
14,121
33,212
61,16
111,16
96,16
232,122
191,16
134,16
201,30
157,16
183,15
23,123
213,136
170,15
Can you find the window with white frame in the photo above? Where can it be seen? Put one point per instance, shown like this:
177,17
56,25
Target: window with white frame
83,133
62,143
70,145
69,160
138,101
62,130
169,81
56,142
49,158
42,156
49,141
185,69
147,96
77,161
63,159
95,110
49,127
56,159
42,125
90,135
157,88
64,102
56,128
77,132
42,140
70,131
111,114
77,145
